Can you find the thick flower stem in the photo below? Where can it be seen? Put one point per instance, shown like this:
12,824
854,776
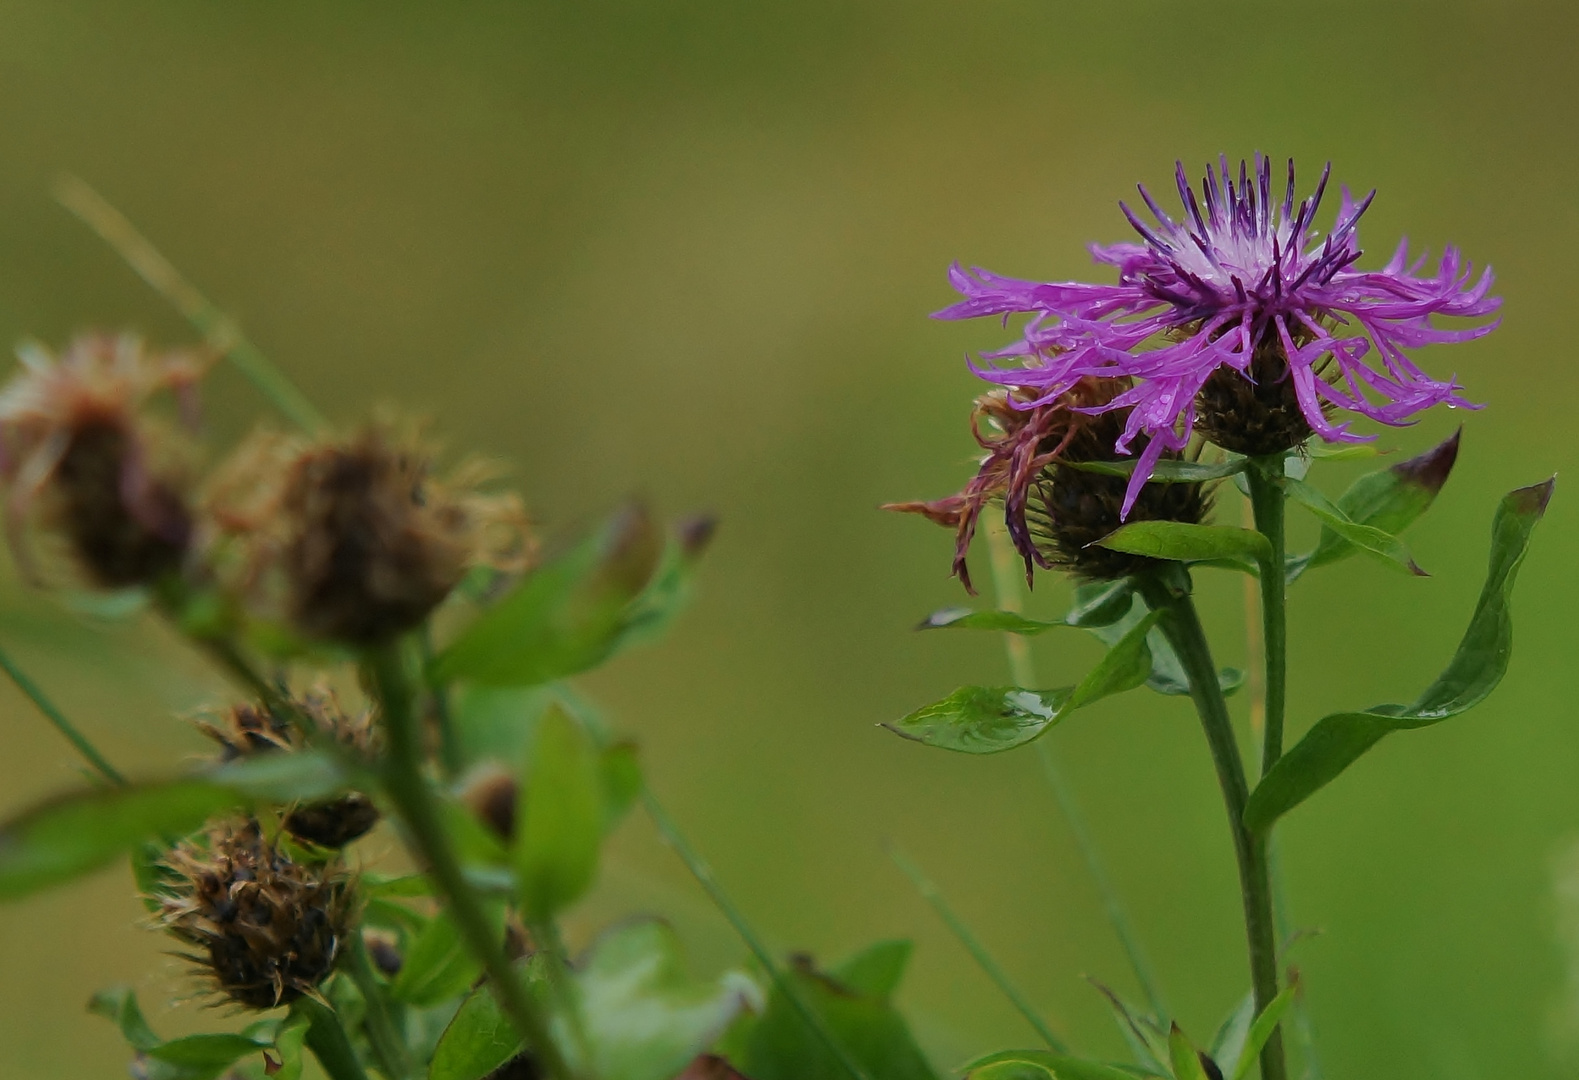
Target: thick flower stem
389,1046
1266,502
327,1040
408,790
1170,593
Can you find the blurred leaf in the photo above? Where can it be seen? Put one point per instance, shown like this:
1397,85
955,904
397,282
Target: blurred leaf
1180,542
645,1018
1342,452
479,1038
1261,1031
1337,741
281,778
669,591
566,616
1014,1069
1095,604
1060,1066
988,720
195,1057
779,1046
1385,546
438,965
1230,1040
559,823
1166,472
620,769
1184,1057
77,833
876,970
288,1045
1389,499
497,723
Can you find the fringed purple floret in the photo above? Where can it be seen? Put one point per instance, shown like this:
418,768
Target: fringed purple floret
1239,271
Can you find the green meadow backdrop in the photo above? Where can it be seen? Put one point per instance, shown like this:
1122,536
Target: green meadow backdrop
686,249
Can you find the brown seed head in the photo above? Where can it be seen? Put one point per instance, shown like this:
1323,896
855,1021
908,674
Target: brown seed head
78,444
1255,413
362,538
266,929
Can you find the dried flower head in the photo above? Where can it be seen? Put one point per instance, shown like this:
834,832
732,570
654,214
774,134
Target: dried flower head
267,929
1238,318
78,446
248,728
1053,511
364,542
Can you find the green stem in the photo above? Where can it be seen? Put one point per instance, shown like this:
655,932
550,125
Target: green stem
1022,669
704,877
1266,501
1182,626
385,1038
327,1040
450,755
929,893
408,790
217,328
76,738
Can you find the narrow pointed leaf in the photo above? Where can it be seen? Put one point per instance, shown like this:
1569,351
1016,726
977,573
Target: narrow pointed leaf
1008,622
1261,1031
1367,538
988,720
1230,1039
1184,1057
1100,603
1388,499
1167,673
1337,741
877,969
1181,542
480,1038
1145,1035
1060,1066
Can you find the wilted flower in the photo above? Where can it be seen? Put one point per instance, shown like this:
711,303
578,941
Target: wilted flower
247,729
269,929
76,443
1239,319
1054,512
357,533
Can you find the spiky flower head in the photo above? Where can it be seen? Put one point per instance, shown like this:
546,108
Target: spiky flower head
360,538
78,444
267,929
1241,292
249,728
1054,512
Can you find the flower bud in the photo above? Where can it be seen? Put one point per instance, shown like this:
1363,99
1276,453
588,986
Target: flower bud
266,929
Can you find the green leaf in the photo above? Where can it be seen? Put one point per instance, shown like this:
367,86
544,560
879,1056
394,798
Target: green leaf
645,1018
72,835
620,769
778,1045
669,592
438,965
195,1057
1337,741
1147,1039
1184,1057
1385,546
566,616
965,619
989,720
304,775
1229,1042
1013,1070
1389,499
1261,1031
497,723
1166,472
119,1005
480,1038
1180,542
1343,451
560,821
876,970
1100,603
1060,1066
1167,673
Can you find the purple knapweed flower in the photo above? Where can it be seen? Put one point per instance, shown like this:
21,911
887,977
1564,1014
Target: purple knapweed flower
1240,289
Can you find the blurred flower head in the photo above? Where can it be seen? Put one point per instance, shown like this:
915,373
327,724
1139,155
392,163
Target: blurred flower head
268,929
1239,293
1053,511
77,444
353,536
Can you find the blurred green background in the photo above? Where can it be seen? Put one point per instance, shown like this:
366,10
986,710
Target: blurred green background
687,249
